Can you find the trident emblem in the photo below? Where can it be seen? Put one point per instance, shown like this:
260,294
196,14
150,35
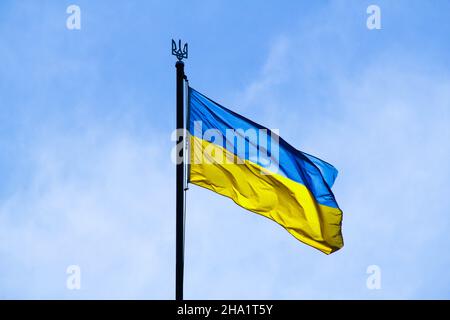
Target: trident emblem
178,52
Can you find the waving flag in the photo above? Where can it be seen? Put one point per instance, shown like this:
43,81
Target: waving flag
258,170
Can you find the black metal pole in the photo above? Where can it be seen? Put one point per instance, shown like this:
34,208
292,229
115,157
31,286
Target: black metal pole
179,187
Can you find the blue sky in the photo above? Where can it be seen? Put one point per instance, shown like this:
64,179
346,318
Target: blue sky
85,124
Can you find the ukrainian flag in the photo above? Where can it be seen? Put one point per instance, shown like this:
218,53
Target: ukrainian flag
287,186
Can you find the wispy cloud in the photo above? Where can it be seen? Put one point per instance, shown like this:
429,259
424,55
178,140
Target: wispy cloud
100,201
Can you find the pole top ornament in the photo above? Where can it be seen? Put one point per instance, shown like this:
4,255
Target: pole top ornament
178,52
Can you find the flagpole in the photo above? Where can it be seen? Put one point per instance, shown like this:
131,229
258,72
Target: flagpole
179,264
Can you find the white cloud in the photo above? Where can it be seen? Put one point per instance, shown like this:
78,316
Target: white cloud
385,126
102,202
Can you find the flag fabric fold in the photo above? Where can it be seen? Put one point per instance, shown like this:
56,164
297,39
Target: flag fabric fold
250,164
